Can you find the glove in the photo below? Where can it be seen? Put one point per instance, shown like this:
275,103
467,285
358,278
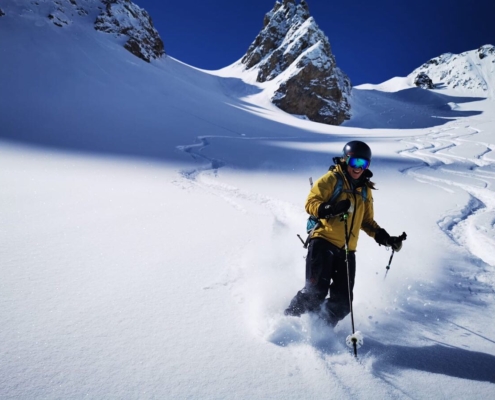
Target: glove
395,242
326,210
383,238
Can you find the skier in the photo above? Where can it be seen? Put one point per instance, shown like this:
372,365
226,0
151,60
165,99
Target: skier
344,189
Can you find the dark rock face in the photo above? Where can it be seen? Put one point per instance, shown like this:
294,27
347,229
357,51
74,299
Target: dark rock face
293,50
485,51
59,19
423,81
122,17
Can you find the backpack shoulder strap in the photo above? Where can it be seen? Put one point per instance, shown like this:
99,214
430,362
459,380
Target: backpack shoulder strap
337,189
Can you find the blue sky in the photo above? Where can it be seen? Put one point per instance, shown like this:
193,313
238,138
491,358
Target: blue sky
372,40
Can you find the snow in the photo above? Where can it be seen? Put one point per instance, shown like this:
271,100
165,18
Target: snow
472,71
395,84
148,221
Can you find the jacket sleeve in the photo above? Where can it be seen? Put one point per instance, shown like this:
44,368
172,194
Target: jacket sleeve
369,224
321,192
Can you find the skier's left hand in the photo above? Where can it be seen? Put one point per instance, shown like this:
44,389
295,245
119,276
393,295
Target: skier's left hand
395,242
383,238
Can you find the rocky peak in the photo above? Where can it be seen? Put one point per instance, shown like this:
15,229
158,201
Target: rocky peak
123,17
292,48
270,46
469,71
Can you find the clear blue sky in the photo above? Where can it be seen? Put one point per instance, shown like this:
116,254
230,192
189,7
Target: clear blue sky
372,40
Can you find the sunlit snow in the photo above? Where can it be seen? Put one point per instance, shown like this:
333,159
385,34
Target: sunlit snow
148,221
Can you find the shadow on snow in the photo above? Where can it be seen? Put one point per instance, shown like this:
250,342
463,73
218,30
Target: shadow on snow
118,122
438,359
412,108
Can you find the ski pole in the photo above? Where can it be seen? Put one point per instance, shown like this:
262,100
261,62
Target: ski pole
310,234
317,225
353,339
401,237
389,262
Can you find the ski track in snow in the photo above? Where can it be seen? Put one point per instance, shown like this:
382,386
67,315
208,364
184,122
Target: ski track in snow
194,150
200,178
472,225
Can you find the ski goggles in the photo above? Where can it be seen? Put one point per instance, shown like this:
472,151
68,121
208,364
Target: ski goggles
355,162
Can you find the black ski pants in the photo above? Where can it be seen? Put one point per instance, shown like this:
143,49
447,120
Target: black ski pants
326,271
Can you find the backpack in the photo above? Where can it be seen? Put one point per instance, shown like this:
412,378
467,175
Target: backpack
312,221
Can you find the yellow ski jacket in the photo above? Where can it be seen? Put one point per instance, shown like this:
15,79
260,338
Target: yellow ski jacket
360,213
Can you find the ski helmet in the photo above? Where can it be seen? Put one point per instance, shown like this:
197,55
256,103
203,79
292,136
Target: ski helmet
357,149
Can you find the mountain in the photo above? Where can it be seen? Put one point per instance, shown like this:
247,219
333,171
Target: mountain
472,70
292,51
122,18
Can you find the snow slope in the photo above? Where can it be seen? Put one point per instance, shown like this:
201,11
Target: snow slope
471,71
148,220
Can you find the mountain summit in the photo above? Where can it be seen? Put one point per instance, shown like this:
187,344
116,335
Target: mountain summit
293,51
472,70
122,18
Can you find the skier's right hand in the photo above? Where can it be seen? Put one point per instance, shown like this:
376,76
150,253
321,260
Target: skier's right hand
327,210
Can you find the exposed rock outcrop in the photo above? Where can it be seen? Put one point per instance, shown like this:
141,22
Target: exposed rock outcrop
423,81
123,17
292,51
61,13
486,51
58,18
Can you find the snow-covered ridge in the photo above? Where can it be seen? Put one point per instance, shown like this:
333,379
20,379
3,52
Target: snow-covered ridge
472,70
120,17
